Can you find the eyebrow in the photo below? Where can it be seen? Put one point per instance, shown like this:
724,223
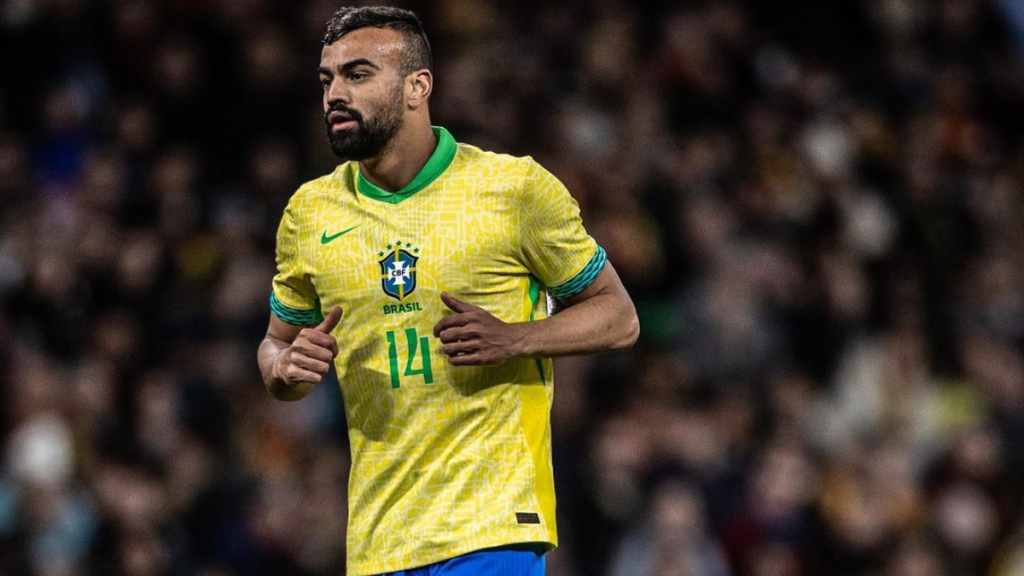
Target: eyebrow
350,65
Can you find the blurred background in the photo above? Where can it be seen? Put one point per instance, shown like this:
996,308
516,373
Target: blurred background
818,208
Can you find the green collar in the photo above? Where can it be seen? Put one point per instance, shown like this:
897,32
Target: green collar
435,166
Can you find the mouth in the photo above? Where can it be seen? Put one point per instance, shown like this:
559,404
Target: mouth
339,121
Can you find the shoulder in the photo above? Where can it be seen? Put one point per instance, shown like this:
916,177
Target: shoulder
318,190
472,157
514,177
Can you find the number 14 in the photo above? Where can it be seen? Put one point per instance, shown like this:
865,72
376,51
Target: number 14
416,346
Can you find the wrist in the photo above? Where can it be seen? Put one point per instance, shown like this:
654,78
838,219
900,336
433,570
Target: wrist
523,339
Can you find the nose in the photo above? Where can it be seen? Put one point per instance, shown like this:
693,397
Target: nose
337,92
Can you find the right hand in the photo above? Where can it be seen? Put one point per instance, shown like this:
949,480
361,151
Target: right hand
310,354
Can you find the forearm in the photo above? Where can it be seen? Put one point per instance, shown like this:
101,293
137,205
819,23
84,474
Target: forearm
601,317
267,355
602,322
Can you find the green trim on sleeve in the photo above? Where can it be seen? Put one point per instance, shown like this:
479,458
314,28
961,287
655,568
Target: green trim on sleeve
581,280
438,162
296,316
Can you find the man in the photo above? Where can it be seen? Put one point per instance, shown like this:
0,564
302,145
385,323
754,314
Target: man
433,259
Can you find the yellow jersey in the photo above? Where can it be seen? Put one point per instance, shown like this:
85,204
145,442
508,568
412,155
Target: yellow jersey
445,460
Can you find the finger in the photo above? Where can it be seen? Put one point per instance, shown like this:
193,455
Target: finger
312,364
294,374
316,339
321,341
455,334
457,305
460,348
458,334
331,321
449,322
312,351
471,359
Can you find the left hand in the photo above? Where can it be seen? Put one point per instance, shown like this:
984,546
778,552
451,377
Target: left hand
474,337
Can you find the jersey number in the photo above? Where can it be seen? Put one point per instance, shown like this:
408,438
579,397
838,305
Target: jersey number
415,346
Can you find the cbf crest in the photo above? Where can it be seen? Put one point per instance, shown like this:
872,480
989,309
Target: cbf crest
398,269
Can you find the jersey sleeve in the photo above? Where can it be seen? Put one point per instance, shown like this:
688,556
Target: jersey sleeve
556,247
293,298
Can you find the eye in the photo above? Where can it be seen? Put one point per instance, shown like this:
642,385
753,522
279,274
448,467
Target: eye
357,76
325,81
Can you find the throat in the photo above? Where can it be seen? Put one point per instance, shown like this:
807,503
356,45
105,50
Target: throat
399,163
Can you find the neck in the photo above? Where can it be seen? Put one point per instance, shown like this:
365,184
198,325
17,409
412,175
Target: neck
402,159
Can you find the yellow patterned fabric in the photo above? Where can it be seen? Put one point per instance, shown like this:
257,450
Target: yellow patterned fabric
445,460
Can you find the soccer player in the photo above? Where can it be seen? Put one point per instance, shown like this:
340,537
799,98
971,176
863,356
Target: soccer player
433,260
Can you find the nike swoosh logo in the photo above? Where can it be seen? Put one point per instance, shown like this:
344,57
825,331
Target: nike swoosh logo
326,239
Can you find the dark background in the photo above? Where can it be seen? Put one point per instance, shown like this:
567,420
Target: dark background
817,207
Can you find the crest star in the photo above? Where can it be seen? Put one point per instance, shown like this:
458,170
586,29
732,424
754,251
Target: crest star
389,246
380,254
398,243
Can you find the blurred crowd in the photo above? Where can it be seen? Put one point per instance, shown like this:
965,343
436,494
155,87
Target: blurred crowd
818,208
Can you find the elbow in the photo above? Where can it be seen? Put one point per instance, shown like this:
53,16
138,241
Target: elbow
630,332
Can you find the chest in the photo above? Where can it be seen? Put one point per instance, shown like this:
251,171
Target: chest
366,250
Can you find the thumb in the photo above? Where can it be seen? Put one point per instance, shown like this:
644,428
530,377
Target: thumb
331,321
455,304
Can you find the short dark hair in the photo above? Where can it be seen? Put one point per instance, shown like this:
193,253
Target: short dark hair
350,18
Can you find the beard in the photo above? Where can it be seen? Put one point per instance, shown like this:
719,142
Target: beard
370,136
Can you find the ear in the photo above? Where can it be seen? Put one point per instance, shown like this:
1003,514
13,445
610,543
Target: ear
419,85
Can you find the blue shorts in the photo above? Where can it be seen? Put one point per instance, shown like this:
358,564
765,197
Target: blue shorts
505,561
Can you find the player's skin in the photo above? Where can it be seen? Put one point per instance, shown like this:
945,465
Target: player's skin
360,70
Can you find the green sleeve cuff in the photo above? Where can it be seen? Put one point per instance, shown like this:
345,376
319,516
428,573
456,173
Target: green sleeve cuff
296,316
581,280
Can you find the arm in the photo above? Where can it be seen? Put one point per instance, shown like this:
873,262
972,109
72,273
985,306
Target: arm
293,359
599,318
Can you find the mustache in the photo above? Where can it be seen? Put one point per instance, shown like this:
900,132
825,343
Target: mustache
350,112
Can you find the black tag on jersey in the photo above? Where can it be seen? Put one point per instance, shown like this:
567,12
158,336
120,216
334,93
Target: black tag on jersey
527,518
